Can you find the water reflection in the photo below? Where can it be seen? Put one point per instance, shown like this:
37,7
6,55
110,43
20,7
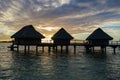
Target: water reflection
82,66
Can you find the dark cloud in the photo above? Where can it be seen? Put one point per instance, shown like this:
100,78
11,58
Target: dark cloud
4,5
64,10
78,16
113,3
79,1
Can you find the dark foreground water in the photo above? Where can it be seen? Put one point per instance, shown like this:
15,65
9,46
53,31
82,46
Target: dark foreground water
81,66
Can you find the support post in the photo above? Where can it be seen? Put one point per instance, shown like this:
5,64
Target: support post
74,49
56,49
17,48
61,48
66,48
87,49
12,46
28,48
114,49
36,49
53,48
49,49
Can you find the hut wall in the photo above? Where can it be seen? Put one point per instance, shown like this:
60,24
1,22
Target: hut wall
27,41
61,41
98,42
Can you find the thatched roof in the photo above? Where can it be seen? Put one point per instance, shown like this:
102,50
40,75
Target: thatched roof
27,32
62,34
99,34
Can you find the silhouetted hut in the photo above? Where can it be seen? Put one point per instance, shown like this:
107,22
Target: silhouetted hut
99,37
27,36
62,37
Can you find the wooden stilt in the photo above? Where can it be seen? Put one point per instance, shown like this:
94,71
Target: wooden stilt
56,49
114,49
12,46
49,49
61,48
36,49
90,49
53,48
12,49
74,49
28,48
17,48
87,49
66,48
105,49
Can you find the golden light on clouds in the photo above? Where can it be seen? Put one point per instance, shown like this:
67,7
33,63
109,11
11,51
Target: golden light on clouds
79,17
47,28
65,1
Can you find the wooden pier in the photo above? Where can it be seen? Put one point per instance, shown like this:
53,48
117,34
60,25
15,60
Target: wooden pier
74,43
28,36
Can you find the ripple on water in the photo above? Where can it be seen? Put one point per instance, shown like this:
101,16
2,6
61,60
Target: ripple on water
14,66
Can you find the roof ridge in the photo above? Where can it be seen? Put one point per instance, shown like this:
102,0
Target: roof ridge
99,34
62,34
27,31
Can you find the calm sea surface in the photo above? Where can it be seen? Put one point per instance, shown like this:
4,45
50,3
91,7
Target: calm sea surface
44,66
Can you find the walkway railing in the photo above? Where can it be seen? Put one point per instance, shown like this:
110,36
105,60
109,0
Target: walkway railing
114,42
78,41
72,41
47,41
82,42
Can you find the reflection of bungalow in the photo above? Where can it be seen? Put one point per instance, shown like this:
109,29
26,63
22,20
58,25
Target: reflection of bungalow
27,36
62,37
99,37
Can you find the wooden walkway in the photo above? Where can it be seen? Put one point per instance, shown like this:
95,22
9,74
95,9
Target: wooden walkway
74,43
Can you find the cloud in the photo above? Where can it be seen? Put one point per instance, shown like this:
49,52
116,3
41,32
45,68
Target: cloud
77,16
113,3
4,37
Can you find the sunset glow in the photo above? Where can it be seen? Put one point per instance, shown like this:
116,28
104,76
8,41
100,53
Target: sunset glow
79,17
48,28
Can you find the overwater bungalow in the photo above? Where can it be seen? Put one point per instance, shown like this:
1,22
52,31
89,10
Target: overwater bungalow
26,36
98,37
62,37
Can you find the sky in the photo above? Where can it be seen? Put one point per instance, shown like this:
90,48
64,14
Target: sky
79,17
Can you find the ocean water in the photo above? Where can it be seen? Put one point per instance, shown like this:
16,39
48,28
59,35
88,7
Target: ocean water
56,66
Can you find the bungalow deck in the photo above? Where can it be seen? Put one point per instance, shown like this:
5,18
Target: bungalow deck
74,43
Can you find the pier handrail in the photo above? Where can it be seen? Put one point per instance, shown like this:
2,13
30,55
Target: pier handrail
82,42
114,42
78,41
47,41
72,41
